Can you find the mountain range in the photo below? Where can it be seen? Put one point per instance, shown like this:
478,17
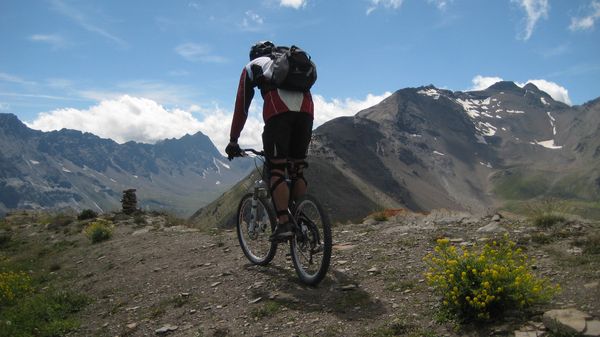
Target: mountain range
425,148
420,148
70,169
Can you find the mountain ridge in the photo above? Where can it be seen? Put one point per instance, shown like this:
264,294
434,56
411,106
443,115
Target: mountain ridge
425,148
74,169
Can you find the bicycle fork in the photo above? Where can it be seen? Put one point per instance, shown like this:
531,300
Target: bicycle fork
253,215
259,192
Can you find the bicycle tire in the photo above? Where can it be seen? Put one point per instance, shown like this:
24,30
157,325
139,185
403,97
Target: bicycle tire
256,247
314,226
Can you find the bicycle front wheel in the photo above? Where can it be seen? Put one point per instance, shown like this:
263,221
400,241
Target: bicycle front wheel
255,223
311,245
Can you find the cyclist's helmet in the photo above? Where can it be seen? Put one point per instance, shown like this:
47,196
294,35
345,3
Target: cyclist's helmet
261,48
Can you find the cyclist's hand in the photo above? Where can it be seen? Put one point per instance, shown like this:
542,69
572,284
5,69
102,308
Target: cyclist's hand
233,150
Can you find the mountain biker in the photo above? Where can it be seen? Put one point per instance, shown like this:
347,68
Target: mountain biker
288,117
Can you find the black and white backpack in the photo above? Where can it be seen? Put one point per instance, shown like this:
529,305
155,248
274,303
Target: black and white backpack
292,69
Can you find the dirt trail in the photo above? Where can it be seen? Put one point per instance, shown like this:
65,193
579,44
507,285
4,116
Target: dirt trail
189,283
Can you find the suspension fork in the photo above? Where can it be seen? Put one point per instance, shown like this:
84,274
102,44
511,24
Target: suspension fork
253,214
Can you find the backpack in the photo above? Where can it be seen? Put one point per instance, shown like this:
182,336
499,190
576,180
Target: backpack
292,69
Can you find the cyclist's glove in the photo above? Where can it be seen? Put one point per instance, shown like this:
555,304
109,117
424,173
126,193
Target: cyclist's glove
233,150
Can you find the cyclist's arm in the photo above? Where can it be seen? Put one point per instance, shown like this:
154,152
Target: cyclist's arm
245,93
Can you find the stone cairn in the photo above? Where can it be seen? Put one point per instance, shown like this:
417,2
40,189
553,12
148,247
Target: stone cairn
129,201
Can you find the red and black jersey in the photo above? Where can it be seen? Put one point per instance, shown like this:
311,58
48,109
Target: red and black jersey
256,73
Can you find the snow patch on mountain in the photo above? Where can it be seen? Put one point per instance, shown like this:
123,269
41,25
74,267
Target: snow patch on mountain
430,92
549,144
552,120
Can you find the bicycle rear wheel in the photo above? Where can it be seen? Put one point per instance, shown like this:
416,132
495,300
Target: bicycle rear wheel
253,231
311,245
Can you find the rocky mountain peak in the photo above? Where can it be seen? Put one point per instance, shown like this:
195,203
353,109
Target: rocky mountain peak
505,86
11,125
532,87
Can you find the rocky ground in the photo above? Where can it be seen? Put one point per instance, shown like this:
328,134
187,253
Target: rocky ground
152,278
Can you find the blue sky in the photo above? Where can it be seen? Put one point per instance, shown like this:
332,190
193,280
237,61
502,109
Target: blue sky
146,70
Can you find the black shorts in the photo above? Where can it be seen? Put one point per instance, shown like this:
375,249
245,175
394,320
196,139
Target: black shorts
287,135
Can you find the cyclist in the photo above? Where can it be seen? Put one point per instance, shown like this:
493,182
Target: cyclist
288,117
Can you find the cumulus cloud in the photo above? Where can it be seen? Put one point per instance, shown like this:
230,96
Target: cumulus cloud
217,124
123,119
556,91
391,4
535,10
327,110
586,22
292,3
198,52
484,82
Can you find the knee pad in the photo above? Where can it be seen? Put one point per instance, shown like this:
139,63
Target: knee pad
276,170
296,171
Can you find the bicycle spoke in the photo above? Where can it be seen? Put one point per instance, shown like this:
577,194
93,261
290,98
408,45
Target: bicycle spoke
311,249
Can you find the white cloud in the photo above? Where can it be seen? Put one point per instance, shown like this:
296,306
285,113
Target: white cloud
535,10
123,119
392,4
484,82
328,110
586,22
54,40
81,19
144,120
252,21
14,79
4,106
292,3
217,124
166,93
440,4
198,52
556,91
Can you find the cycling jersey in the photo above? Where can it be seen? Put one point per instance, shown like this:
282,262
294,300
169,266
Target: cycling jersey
276,101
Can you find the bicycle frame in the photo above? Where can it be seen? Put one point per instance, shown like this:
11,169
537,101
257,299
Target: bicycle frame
305,214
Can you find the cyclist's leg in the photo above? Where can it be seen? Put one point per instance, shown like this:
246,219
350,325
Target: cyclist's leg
299,142
279,189
299,183
276,138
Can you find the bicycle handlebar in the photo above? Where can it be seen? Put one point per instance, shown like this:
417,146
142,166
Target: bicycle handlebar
258,153
244,153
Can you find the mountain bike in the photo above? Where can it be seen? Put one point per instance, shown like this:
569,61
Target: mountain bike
310,246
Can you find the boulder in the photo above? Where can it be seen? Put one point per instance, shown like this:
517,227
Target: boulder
567,321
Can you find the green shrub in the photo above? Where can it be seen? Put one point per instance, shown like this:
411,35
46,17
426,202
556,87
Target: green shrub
268,309
476,283
57,221
546,213
99,230
46,314
589,244
13,285
5,237
87,214
547,220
